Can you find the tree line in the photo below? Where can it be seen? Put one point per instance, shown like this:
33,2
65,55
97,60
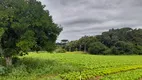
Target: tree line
115,42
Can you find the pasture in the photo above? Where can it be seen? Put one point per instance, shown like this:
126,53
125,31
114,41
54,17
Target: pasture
75,66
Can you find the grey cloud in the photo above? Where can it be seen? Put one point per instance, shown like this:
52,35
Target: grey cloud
84,21
91,17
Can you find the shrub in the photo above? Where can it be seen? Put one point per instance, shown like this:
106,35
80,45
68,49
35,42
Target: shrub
60,50
97,48
138,50
3,70
15,60
115,51
122,47
19,71
108,52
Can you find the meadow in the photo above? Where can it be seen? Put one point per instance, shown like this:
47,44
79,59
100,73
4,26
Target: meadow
75,66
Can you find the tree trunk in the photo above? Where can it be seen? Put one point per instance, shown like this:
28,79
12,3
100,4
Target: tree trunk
85,48
37,52
80,47
8,61
70,49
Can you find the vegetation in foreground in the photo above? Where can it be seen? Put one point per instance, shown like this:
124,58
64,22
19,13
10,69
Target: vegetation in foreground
73,66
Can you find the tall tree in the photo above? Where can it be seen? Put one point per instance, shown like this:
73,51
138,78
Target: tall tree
64,41
25,26
112,36
85,41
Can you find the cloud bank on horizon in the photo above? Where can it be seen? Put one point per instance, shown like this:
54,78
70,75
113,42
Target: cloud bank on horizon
92,17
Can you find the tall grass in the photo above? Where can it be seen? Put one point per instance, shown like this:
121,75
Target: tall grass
33,68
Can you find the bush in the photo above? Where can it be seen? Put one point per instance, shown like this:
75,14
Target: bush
138,50
60,50
122,47
108,52
97,48
3,70
19,71
115,51
15,60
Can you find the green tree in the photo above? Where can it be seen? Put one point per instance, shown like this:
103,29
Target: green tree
97,48
26,26
122,47
112,36
72,46
64,41
85,42
135,36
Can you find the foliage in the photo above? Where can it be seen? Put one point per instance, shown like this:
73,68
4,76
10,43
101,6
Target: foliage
72,46
26,26
129,75
97,48
3,70
15,60
138,49
46,66
122,47
60,50
112,36
118,41
81,45
87,74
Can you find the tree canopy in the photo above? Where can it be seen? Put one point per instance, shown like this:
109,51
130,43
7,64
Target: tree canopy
115,41
25,26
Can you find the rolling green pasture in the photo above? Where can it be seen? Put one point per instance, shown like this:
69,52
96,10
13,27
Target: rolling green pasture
75,66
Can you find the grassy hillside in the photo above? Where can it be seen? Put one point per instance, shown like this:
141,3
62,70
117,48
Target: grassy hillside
75,66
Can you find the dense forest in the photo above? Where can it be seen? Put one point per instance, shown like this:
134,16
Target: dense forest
115,41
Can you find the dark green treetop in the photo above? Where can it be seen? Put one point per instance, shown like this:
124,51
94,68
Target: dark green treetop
25,26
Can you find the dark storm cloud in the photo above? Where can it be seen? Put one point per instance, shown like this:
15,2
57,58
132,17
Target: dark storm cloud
91,17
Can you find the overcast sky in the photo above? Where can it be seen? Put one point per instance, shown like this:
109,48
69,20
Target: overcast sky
91,17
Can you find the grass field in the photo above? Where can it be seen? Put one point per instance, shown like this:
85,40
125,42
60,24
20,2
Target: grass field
75,66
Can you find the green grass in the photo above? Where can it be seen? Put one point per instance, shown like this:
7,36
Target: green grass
73,66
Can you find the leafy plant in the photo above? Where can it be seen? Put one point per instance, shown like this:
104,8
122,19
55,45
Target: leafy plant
60,50
3,70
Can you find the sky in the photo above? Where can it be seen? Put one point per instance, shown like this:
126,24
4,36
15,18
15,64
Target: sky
92,17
